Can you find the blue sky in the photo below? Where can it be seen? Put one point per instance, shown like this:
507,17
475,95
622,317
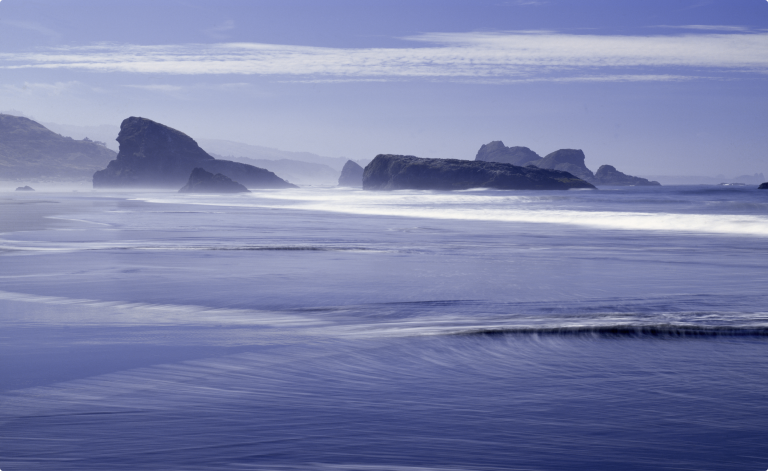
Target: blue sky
667,87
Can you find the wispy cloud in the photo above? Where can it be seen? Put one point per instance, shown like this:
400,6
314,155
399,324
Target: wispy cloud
49,89
446,56
157,88
735,29
31,26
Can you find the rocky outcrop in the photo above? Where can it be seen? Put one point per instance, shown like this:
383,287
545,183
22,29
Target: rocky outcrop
567,160
608,175
496,151
29,150
400,172
763,186
153,155
201,181
351,175
25,188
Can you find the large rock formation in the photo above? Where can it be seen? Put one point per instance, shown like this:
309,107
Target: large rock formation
496,151
29,150
608,175
351,175
153,155
763,186
567,160
400,172
201,181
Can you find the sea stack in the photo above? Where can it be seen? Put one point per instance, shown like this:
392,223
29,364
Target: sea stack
201,181
351,175
153,155
608,175
496,151
567,160
401,172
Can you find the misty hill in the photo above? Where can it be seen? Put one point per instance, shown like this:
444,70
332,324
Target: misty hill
237,151
30,150
406,172
153,155
105,133
295,171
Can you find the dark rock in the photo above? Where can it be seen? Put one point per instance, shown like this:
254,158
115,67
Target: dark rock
25,188
608,175
351,175
496,151
396,172
30,150
153,155
763,186
567,160
201,181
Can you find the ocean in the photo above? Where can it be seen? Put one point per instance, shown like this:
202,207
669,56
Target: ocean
339,329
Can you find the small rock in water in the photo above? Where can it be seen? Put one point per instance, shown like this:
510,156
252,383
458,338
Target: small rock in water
25,188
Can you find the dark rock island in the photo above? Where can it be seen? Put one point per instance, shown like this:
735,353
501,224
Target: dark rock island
567,160
153,155
400,172
763,186
25,188
351,175
201,181
30,150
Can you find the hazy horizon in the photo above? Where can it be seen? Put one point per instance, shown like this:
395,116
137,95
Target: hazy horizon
653,88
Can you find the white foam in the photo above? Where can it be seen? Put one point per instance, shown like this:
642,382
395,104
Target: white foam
480,207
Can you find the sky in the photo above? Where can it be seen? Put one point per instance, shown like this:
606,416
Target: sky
670,87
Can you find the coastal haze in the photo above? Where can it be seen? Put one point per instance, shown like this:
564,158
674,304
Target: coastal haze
411,236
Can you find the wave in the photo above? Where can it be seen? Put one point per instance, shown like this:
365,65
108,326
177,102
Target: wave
9,246
622,331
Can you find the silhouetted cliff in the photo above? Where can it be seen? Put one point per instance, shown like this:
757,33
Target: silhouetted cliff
153,155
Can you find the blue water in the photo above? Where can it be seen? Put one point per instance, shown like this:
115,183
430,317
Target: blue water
336,329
